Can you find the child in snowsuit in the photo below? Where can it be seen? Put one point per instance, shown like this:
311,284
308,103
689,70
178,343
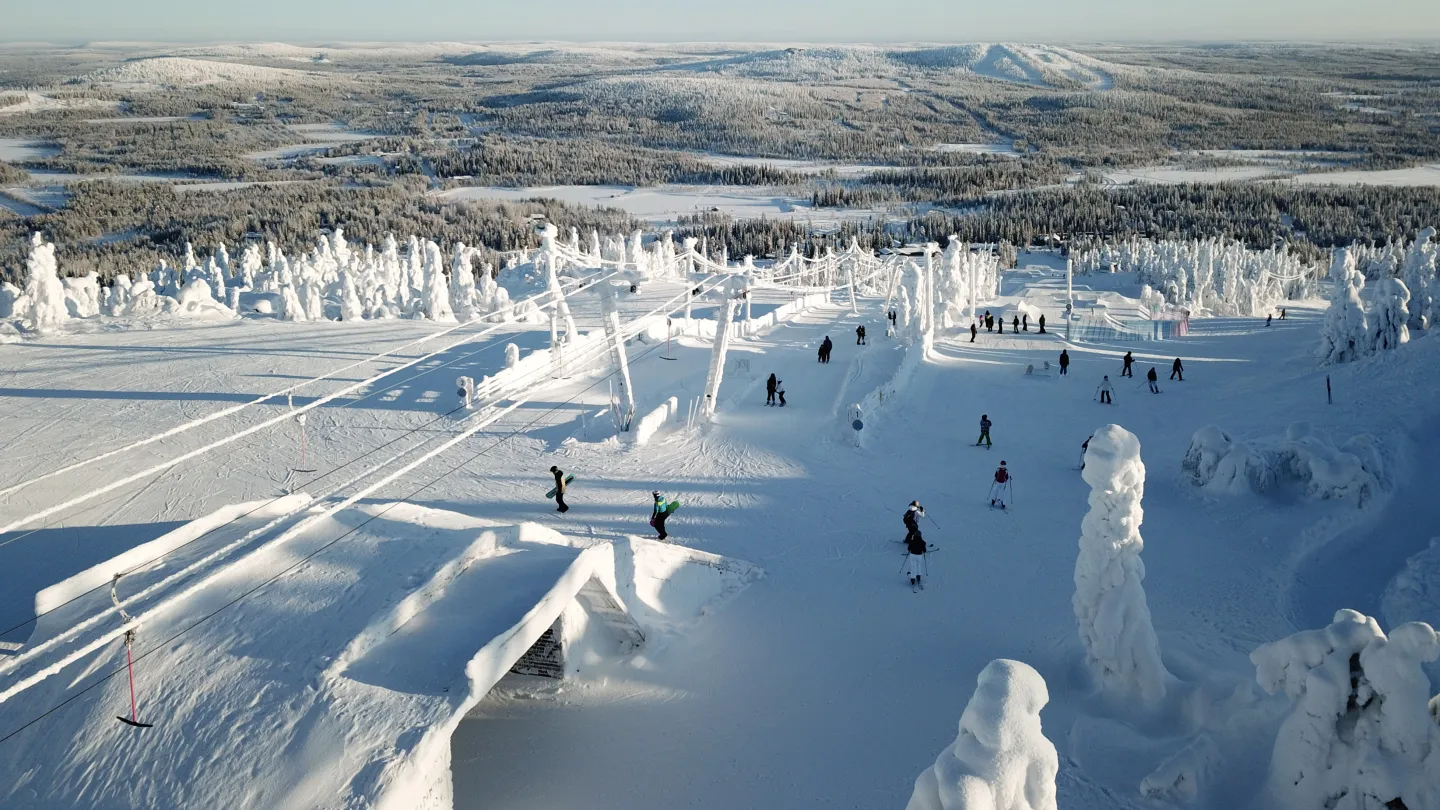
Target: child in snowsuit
1064,361
770,390
658,515
1152,377
559,489
1001,486
1177,370
984,431
780,391
1126,372
1105,391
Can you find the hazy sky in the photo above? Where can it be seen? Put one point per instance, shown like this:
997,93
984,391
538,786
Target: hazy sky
70,21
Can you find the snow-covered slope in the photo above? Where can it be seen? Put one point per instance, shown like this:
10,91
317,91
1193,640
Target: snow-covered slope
175,71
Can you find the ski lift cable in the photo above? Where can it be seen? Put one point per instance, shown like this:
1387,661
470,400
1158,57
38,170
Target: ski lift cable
305,559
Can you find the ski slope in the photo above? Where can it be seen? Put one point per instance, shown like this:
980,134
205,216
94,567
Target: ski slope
828,683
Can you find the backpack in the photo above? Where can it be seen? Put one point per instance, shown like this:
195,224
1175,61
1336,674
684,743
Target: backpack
1002,475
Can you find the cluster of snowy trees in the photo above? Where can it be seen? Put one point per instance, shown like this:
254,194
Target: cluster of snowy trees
1403,301
1210,276
1301,461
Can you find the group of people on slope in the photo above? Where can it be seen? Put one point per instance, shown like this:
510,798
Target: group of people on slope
660,509
1105,390
774,388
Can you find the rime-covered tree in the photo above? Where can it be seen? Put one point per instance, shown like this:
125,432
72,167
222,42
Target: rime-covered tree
1344,337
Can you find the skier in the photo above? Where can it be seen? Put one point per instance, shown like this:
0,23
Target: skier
859,335
1177,370
1126,371
1085,447
1064,361
1015,324
1025,322
780,391
1001,487
1105,391
1282,313
973,331
1042,323
559,489
914,546
1153,377
1268,316
770,390
658,515
984,430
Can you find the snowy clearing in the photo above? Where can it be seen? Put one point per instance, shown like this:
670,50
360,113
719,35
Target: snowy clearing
666,202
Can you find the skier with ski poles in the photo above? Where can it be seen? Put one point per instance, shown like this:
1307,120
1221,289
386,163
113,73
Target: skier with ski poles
1104,391
1064,361
559,474
1153,377
770,390
1128,360
915,546
1001,488
984,431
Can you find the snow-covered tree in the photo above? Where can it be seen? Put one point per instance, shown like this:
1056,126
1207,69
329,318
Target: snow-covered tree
437,290
462,281
350,307
1419,273
291,309
1390,315
1360,735
1344,336
1001,759
43,305
1110,608
82,295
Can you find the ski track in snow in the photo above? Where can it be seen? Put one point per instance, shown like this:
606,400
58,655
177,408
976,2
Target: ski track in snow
828,683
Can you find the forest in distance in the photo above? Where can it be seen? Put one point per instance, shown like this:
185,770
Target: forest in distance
882,144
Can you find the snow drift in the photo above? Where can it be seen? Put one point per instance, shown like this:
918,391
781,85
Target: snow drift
1001,759
1301,462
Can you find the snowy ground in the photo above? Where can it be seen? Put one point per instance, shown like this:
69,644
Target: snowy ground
664,203
828,683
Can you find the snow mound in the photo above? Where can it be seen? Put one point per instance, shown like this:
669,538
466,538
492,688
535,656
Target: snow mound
1414,594
176,71
1360,734
1121,648
1302,463
1001,759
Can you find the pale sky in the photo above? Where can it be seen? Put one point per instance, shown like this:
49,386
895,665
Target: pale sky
316,21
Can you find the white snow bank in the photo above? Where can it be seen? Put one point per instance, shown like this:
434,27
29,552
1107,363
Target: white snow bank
1301,462
651,422
1414,594
1001,759
1360,735
1110,607
97,575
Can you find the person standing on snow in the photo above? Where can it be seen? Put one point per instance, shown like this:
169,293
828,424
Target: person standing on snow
658,515
770,390
1015,324
914,545
1085,447
1282,313
780,391
1153,377
859,335
1128,360
1025,322
1042,323
984,430
1268,316
1177,370
1105,391
1064,361
825,348
1000,489
973,331
1000,322
989,321
559,489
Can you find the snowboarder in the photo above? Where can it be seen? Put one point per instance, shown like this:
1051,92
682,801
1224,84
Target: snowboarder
559,489
859,335
1268,316
984,430
1126,371
1015,323
973,331
1105,391
1153,378
1001,488
658,514
914,546
1177,370
1042,323
770,390
1025,322
780,391
1064,361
